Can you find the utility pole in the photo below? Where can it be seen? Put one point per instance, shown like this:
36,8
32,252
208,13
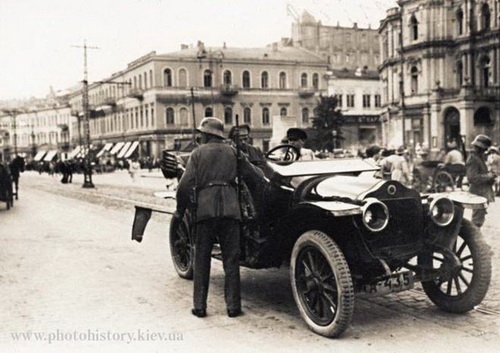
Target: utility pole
13,114
87,175
194,118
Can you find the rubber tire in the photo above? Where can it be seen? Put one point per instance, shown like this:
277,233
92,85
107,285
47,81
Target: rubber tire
481,275
334,256
177,224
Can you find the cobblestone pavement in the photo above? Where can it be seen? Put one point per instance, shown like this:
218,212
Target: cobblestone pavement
91,276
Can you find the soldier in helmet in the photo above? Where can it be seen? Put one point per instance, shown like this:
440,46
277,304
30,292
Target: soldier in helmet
481,181
211,172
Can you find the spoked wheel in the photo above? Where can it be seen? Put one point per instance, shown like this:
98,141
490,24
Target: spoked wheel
182,245
321,284
443,181
466,288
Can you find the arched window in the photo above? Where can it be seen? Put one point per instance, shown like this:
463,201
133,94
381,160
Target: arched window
305,115
227,77
183,117
283,112
303,80
246,79
485,16
207,78
167,78
228,115
483,117
170,118
315,81
460,22
485,71
264,80
460,74
265,116
282,80
209,112
414,27
247,116
183,78
414,80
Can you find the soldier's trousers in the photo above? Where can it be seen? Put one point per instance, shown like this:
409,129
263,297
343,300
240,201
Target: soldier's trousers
478,217
227,232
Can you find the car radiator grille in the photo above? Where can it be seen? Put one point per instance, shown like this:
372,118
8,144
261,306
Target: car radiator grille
404,232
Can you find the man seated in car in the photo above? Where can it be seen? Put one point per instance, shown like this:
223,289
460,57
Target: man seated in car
297,137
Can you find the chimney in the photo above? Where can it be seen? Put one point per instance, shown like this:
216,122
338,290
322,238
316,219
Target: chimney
224,46
275,47
184,46
355,25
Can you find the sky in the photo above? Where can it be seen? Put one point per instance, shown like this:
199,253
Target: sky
37,37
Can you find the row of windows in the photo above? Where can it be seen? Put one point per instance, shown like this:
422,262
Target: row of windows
484,21
227,79
134,118
265,114
367,100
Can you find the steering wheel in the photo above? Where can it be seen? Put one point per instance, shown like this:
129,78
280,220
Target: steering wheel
283,154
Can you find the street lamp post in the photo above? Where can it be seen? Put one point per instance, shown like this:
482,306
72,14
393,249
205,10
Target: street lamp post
87,170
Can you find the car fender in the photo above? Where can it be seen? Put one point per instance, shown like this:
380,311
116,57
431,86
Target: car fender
466,199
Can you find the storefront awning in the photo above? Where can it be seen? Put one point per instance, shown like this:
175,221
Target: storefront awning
106,148
131,149
124,150
50,155
39,156
75,152
117,147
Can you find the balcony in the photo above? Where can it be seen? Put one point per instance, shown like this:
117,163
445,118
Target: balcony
487,94
228,90
136,93
306,92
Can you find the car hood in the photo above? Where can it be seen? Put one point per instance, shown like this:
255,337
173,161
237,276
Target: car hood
324,167
349,187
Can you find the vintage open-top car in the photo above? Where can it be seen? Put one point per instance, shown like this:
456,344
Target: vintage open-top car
345,233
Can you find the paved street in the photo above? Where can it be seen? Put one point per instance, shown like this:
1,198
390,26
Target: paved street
70,273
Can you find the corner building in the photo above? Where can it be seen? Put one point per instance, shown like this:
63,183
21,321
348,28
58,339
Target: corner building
440,71
158,99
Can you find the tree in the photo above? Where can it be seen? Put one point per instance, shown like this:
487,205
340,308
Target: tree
326,125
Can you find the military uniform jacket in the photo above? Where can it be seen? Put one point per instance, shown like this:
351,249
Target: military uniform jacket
479,179
211,171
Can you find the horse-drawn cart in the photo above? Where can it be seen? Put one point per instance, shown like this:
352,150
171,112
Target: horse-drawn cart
435,176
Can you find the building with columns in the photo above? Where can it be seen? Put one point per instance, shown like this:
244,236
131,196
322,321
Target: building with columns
40,130
440,71
157,99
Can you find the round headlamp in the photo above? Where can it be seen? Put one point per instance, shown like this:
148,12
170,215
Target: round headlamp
375,215
442,211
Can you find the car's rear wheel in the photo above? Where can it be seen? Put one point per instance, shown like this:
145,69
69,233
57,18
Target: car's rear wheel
466,288
322,284
182,245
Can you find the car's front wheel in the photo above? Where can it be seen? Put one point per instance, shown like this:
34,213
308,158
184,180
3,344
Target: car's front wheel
467,287
322,284
182,245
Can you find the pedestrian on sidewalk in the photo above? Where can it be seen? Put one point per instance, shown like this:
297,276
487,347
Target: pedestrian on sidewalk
480,180
134,168
210,179
493,163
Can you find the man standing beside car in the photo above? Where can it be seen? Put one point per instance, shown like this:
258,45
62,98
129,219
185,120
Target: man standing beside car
480,180
210,178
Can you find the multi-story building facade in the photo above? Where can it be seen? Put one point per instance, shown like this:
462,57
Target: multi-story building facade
36,131
358,95
440,71
344,47
159,98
